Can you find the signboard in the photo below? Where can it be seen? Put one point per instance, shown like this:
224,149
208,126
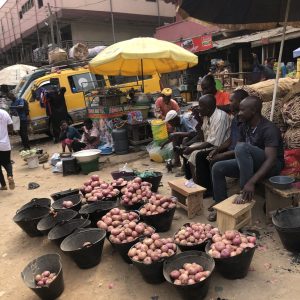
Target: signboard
197,44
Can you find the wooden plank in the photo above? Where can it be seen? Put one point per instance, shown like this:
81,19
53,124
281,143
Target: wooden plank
225,222
178,185
194,204
292,192
232,209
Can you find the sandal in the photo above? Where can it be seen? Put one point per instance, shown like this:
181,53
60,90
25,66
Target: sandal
3,188
11,183
212,217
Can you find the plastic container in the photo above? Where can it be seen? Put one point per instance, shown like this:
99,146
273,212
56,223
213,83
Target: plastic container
135,206
70,166
33,162
97,210
85,257
159,130
195,291
36,202
152,273
59,217
287,224
125,175
76,200
58,233
121,142
49,262
197,247
28,219
154,180
282,182
235,267
123,249
63,194
161,222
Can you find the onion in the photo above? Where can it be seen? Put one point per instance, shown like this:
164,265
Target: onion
175,274
225,253
219,246
230,235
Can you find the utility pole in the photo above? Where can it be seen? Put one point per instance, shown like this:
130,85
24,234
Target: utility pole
158,12
51,25
13,30
21,35
11,50
6,58
112,21
37,27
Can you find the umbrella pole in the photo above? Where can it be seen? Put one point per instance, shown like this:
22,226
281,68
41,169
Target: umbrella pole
142,68
279,59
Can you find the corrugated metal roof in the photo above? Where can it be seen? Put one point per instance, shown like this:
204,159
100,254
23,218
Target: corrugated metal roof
256,38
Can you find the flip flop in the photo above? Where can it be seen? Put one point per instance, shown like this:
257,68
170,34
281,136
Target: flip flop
11,183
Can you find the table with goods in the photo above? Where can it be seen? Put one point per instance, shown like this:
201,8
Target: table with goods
129,215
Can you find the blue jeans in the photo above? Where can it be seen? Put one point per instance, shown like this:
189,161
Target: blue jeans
248,159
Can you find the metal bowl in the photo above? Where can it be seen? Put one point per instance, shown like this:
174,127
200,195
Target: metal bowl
282,182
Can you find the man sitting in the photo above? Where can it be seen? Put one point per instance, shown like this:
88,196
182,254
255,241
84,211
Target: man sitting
214,131
182,127
67,135
208,86
258,154
225,151
90,137
164,103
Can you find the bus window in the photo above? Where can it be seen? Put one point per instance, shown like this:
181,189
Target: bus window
82,82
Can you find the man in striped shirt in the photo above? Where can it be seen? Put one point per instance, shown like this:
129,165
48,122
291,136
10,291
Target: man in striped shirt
214,131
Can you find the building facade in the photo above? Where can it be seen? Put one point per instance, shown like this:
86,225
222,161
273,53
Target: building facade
26,25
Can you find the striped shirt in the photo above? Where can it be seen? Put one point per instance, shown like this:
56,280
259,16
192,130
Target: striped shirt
216,129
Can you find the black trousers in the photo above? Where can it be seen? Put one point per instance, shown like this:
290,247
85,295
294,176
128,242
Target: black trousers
6,164
203,171
77,146
24,134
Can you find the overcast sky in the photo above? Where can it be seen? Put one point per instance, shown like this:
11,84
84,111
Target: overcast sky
2,2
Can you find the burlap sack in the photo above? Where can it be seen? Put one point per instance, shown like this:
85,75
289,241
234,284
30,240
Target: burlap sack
292,138
291,111
79,51
57,55
264,89
277,117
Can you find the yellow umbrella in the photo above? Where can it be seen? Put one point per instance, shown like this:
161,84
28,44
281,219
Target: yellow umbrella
142,56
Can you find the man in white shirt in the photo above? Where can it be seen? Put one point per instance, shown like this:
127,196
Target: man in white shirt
214,131
5,150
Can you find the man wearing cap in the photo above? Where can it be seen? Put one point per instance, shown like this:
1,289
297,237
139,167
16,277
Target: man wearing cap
182,128
164,103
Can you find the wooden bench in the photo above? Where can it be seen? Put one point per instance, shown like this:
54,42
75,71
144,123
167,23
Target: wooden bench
190,199
233,216
276,198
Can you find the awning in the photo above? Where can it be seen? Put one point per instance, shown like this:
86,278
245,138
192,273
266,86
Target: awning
259,38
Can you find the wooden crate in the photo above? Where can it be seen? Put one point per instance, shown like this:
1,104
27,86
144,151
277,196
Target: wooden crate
233,216
190,199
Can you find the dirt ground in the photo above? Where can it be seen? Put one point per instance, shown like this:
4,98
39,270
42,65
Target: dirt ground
272,275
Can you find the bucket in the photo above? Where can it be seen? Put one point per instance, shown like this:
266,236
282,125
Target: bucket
33,162
49,262
123,249
195,291
58,233
135,206
97,210
58,204
122,174
36,202
154,180
63,194
196,247
59,217
235,267
28,219
159,130
85,257
287,224
161,222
